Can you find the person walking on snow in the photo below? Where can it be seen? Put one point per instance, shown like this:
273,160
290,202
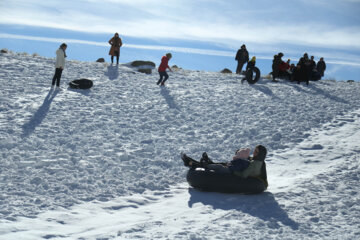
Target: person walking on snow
116,44
162,69
59,65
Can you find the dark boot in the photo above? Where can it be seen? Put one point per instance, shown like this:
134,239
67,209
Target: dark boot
205,160
189,162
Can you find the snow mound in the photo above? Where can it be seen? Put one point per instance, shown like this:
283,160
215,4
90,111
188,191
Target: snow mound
63,152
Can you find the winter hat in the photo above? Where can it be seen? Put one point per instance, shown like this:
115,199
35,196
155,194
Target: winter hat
262,151
169,55
242,153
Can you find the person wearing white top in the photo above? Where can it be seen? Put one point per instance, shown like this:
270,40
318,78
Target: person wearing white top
59,65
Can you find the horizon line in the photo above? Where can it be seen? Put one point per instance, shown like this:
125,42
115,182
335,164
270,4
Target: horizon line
209,52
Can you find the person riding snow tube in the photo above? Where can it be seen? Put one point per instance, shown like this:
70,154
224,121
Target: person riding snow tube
229,176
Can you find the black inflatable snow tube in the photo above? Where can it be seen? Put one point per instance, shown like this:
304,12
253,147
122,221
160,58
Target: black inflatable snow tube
81,84
211,181
250,75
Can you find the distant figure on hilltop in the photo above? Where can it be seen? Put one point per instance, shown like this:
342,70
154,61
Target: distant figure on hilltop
305,69
59,65
242,56
284,70
312,63
321,66
251,63
162,69
252,73
250,66
275,66
116,44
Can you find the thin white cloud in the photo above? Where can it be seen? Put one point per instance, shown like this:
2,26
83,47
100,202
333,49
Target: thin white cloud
355,61
180,19
345,38
137,46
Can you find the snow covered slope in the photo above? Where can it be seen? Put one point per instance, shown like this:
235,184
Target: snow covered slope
104,163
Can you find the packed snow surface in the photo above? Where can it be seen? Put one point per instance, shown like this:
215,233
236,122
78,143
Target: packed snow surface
105,163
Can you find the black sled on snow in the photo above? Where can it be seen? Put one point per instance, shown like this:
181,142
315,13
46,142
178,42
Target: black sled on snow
252,75
81,84
208,180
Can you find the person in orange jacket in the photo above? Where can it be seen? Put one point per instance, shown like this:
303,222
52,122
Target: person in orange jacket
116,44
162,69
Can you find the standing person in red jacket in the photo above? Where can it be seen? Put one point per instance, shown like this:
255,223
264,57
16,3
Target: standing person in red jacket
162,69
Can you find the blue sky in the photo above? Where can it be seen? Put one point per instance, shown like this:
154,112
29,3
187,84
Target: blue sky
202,35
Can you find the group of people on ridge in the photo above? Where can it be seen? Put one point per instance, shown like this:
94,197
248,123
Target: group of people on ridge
305,70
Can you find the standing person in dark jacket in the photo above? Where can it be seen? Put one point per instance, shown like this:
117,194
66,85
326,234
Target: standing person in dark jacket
296,74
242,56
275,66
59,65
305,69
162,69
312,63
321,66
116,44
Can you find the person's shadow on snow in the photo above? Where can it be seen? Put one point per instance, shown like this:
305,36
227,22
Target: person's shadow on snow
85,92
169,99
327,94
112,72
262,88
39,115
263,206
